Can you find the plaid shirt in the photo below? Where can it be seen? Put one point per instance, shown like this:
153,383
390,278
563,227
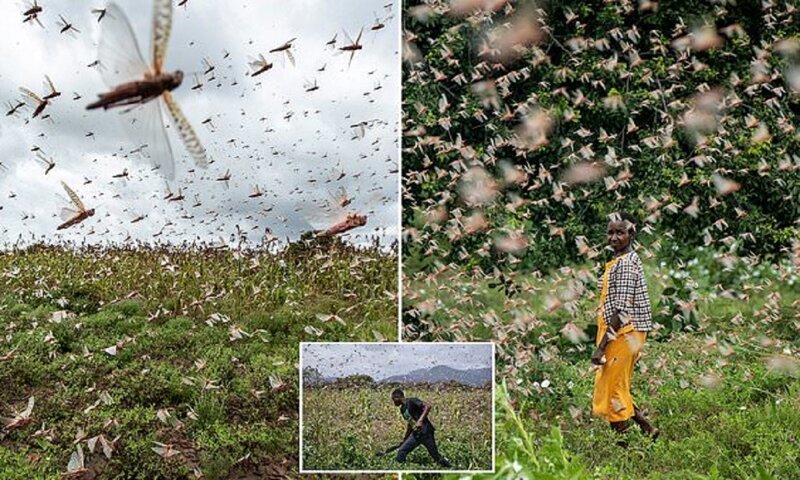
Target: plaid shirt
627,293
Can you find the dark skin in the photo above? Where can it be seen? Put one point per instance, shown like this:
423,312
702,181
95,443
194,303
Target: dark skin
426,407
620,237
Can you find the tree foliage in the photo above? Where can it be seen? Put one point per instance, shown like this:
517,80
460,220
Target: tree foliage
681,112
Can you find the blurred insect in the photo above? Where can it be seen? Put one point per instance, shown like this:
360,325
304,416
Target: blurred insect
20,419
259,65
360,128
53,92
73,216
256,193
333,218
207,66
123,174
310,87
286,48
165,450
177,197
105,444
351,221
12,108
225,178
76,466
341,198
32,12
332,42
47,163
66,26
119,51
380,23
34,101
353,47
198,85
100,12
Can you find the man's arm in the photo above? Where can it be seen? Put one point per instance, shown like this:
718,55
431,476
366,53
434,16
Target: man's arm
426,407
408,431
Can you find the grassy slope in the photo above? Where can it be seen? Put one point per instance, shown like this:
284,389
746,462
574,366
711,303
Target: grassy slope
722,412
63,365
344,428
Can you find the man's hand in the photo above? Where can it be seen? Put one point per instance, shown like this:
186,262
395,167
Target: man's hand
419,423
597,356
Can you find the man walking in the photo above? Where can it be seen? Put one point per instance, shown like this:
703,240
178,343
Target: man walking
419,429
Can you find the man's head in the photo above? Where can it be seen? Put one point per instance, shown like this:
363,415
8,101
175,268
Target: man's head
398,397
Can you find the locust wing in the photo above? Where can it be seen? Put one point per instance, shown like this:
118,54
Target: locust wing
145,125
162,26
74,197
31,99
66,214
186,132
49,84
121,60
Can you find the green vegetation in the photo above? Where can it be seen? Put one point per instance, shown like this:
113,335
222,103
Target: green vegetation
526,124
606,110
193,348
725,394
344,428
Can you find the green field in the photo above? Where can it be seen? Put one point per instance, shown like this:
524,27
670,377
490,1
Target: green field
193,348
724,392
343,428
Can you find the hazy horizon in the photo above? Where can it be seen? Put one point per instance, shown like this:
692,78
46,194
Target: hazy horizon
380,361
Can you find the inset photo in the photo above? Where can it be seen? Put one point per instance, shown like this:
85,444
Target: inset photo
389,407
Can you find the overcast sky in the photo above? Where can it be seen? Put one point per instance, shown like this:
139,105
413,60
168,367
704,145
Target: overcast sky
380,360
297,162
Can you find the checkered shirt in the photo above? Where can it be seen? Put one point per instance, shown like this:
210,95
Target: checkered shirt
627,293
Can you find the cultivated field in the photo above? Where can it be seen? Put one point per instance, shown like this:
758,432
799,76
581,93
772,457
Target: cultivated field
344,428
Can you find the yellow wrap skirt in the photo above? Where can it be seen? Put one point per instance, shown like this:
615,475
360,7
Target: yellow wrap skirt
612,383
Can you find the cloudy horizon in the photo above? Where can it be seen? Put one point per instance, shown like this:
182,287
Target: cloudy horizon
381,360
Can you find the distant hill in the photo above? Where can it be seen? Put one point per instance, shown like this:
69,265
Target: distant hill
319,381
473,377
